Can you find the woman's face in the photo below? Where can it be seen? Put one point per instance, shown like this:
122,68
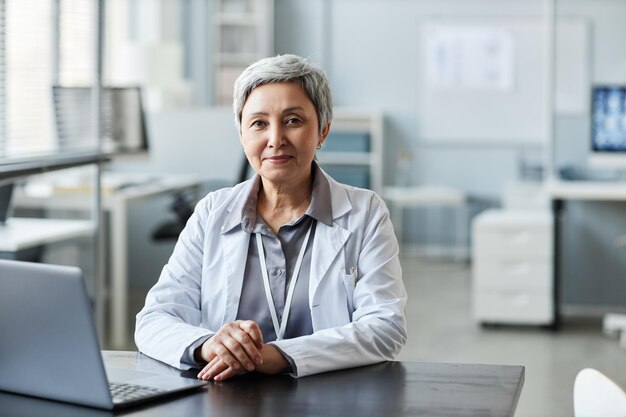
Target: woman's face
279,132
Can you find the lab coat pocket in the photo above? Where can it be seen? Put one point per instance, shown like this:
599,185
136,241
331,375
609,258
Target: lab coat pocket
348,286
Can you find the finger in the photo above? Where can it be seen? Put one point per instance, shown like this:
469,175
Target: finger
249,345
254,331
215,369
223,352
208,366
233,344
226,374
242,349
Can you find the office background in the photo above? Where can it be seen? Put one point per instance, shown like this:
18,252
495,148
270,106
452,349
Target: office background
365,41
475,142
373,53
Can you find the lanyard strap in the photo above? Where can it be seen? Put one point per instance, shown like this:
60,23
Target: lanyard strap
279,328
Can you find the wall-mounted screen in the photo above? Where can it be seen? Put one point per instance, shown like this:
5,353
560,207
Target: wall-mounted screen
608,126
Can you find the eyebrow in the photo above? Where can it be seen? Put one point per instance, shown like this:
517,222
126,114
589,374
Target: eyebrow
286,110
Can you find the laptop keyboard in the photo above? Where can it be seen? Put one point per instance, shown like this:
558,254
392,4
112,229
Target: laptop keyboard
122,392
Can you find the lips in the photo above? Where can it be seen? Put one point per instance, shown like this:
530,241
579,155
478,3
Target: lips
278,158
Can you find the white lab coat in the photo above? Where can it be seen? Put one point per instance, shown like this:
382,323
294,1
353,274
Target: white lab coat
200,287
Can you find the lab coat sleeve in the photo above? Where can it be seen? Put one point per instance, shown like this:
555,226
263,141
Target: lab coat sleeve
170,322
377,331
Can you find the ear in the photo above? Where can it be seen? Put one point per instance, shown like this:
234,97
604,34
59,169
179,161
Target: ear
325,132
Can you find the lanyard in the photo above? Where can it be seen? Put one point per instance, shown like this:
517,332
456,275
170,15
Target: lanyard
280,328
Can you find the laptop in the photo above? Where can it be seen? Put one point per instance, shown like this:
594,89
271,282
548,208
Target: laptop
49,347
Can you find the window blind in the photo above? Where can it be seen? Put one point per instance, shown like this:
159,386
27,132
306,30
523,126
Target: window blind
76,42
42,43
2,82
76,69
27,77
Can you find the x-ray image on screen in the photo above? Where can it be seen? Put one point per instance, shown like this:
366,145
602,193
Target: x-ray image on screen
608,119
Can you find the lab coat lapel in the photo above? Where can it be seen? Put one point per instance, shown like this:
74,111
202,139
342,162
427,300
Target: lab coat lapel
235,244
328,240
326,246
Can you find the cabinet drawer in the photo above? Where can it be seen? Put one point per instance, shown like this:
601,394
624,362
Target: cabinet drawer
513,243
513,274
515,307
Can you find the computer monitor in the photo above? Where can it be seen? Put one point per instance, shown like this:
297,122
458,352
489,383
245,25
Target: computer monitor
123,120
608,127
6,190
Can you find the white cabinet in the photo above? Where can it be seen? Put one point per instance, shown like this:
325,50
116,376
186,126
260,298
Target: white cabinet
512,256
243,34
353,153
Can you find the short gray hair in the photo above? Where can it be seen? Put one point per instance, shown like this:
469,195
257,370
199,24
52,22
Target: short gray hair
286,69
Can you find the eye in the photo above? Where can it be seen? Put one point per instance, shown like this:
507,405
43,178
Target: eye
258,123
293,121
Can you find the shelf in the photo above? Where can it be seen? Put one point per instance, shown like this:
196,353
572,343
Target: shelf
353,152
355,120
243,34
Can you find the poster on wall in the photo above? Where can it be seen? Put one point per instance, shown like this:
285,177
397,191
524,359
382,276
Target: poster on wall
486,79
469,58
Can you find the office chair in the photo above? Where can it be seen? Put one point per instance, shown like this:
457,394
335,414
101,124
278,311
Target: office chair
183,206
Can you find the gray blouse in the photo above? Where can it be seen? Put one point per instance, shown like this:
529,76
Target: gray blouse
281,251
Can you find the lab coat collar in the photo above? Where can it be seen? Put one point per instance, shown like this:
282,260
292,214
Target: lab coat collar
238,199
241,194
338,197
321,208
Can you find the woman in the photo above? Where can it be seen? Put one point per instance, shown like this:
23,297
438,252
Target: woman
289,271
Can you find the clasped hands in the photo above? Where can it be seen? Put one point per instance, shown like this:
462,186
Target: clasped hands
238,347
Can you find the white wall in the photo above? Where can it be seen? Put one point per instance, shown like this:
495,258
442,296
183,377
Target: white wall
369,48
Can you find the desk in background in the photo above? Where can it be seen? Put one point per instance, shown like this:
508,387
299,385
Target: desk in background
387,389
19,235
427,197
120,190
562,191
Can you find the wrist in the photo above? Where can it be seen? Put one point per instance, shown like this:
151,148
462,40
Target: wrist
274,362
200,353
197,354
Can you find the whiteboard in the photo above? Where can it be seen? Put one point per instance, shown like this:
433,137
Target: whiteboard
511,112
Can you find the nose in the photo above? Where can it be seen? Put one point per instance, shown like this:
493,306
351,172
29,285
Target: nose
276,138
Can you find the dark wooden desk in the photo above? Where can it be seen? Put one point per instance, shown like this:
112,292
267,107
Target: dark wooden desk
387,389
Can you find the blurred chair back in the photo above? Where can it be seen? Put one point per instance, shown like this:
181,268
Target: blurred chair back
597,395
